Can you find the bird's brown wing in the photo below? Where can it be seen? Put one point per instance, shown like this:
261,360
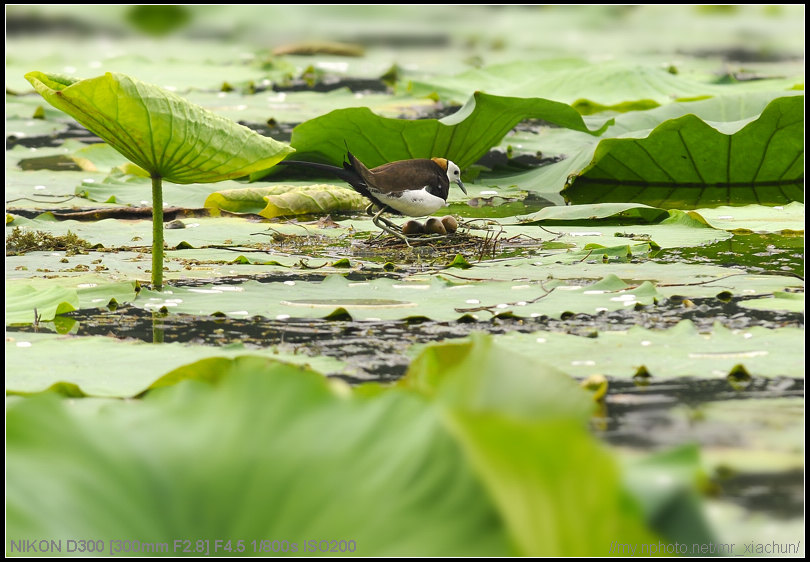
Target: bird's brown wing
408,174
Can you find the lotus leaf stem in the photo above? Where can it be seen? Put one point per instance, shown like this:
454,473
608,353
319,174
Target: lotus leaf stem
157,232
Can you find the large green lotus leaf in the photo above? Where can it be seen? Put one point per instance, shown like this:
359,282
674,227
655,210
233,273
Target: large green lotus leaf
270,436
719,110
538,495
109,367
480,379
287,200
758,218
158,130
680,351
26,304
481,376
686,163
462,137
731,114
729,110
616,86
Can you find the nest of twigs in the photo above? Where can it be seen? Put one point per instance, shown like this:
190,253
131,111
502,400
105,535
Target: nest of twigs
484,242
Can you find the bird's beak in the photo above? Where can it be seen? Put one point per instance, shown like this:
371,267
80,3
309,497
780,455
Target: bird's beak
461,185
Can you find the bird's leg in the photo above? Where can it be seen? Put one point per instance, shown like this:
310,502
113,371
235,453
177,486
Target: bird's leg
388,226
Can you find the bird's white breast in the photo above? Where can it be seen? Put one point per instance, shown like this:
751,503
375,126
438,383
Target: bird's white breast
414,202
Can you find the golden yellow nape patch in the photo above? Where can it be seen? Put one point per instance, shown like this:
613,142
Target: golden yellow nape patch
441,162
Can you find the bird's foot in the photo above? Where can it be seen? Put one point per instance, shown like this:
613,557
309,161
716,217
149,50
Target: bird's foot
394,230
389,227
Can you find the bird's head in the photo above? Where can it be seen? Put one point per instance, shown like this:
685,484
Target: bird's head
453,172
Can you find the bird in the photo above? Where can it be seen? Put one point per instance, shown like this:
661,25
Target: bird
415,187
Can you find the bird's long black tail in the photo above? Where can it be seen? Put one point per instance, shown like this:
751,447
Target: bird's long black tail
346,173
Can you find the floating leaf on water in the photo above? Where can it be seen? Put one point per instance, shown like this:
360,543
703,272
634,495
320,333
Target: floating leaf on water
460,262
339,315
739,373
642,374
287,200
